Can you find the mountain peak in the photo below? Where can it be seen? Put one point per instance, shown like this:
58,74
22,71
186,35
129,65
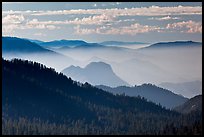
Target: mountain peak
96,73
100,65
73,67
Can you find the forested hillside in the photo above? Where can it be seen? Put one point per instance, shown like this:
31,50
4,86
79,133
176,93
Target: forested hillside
38,100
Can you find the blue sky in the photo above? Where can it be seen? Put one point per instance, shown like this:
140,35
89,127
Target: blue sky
96,21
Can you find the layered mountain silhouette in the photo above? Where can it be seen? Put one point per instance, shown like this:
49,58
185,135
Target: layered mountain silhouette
14,44
32,90
35,41
181,60
81,46
151,92
38,100
76,43
187,89
13,47
95,73
192,105
176,44
63,43
109,43
137,70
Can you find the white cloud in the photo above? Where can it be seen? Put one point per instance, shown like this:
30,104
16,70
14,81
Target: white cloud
9,29
16,2
84,31
39,25
115,3
94,5
165,18
13,22
13,19
138,28
190,26
142,11
10,23
91,20
130,30
127,20
24,12
104,19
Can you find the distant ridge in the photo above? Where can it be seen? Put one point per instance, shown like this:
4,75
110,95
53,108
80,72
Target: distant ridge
33,40
151,92
82,46
192,105
14,44
61,43
174,44
13,47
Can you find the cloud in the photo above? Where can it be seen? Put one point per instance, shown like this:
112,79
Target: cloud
94,5
16,2
13,19
115,3
165,18
14,22
10,23
142,11
105,21
91,20
106,4
130,30
24,12
189,26
9,29
138,28
84,31
35,24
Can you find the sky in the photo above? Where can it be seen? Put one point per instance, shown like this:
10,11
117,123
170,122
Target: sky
148,22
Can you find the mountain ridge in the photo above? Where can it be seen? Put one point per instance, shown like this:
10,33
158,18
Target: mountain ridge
13,47
29,89
149,91
21,45
95,73
192,105
173,45
61,43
